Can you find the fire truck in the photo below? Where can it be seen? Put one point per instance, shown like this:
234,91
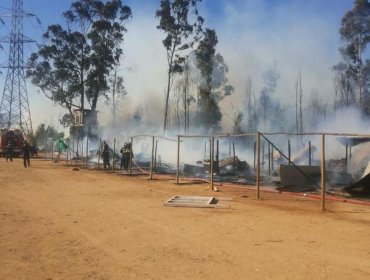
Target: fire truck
12,136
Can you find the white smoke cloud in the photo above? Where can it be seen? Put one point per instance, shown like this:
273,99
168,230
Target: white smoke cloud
251,39
348,120
253,35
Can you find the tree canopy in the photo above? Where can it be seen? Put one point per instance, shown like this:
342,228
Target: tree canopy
355,32
76,61
212,85
180,21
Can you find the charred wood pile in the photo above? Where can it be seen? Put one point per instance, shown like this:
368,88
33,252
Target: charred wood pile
227,166
361,187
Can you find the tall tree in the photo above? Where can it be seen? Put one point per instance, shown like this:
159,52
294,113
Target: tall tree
344,85
355,32
75,63
118,91
317,110
184,92
175,107
212,87
187,96
236,116
180,20
43,134
250,107
270,79
298,107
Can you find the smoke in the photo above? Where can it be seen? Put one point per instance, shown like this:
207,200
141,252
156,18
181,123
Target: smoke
297,35
255,34
349,120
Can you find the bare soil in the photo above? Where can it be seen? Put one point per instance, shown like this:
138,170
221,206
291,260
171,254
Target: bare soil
57,223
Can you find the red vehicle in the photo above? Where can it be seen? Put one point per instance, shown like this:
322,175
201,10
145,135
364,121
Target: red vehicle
12,136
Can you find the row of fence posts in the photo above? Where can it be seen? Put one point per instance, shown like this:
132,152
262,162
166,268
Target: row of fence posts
257,158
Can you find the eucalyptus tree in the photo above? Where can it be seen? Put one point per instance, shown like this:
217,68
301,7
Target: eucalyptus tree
118,92
236,116
75,61
344,85
187,85
43,134
180,21
366,95
267,102
298,104
212,87
250,109
250,106
317,110
355,32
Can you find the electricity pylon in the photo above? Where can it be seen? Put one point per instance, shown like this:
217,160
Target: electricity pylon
14,107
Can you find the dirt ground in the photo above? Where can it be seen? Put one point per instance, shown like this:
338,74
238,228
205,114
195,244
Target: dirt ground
57,223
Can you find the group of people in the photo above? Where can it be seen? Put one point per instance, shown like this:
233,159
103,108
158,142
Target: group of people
26,152
126,155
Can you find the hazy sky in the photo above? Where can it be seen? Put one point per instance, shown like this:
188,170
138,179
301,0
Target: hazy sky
253,36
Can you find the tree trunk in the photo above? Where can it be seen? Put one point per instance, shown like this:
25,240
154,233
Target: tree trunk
113,98
185,102
300,108
360,74
82,84
167,99
170,64
296,107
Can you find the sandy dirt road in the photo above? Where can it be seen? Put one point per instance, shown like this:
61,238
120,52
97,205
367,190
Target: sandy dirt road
56,223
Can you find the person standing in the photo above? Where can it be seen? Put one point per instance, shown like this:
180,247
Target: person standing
126,152
9,151
26,154
106,155
122,151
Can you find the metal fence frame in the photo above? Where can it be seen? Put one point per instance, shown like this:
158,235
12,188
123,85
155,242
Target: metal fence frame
258,135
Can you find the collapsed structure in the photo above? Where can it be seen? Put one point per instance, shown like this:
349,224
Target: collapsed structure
347,171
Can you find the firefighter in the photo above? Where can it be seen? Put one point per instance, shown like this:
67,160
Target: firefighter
106,155
26,153
9,151
125,159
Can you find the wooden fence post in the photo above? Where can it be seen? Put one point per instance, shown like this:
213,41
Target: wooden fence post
258,165
323,170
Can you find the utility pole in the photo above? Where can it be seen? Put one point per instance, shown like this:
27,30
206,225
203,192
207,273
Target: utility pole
14,106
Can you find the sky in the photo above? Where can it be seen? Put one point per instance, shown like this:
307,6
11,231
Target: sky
253,36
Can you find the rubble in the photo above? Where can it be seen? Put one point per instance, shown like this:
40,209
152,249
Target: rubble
361,188
304,155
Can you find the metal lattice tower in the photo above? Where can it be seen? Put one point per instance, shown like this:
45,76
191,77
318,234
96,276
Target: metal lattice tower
14,107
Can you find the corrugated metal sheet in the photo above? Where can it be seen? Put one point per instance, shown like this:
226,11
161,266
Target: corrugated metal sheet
360,159
301,179
353,141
